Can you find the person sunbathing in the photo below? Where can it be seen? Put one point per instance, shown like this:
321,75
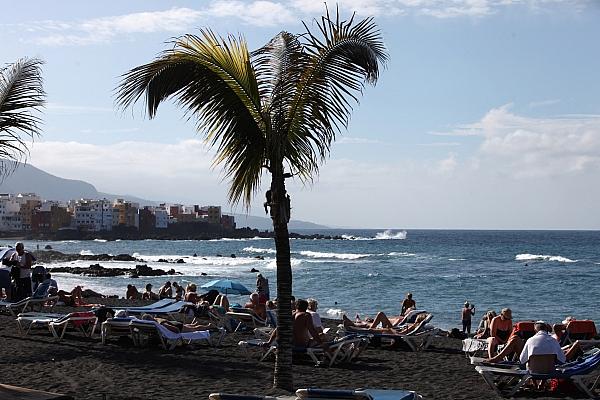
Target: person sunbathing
132,293
191,296
304,334
149,294
500,331
178,327
72,298
383,319
386,325
259,309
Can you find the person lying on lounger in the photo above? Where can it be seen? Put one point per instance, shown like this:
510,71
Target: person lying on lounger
387,326
72,298
383,319
178,327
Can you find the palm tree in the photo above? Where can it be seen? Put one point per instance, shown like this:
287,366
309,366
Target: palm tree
276,109
21,95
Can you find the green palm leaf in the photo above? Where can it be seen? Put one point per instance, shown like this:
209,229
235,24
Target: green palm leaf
21,97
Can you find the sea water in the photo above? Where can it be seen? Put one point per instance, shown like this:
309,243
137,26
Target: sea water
538,274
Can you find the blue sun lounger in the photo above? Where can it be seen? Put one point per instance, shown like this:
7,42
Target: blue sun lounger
158,304
168,309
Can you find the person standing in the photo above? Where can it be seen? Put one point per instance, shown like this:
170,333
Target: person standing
467,312
23,260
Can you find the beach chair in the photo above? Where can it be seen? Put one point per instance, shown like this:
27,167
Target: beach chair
584,374
27,321
358,394
142,329
21,306
115,327
471,346
84,321
246,317
158,304
8,392
227,396
169,309
576,329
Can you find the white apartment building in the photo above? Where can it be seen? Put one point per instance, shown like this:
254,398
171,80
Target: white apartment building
93,215
10,217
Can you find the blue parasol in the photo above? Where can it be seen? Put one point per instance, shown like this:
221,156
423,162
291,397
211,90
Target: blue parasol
226,286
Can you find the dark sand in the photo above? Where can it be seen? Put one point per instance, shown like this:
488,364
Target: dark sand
84,368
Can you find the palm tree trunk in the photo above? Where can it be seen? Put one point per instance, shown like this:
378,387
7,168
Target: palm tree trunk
283,378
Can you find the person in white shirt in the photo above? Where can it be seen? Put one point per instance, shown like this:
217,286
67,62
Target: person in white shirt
542,343
312,310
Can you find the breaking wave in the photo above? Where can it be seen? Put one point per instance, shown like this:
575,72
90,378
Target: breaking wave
86,253
343,256
401,254
541,257
252,249
100,240
389,234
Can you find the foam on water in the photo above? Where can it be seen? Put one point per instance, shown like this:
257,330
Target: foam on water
541,257
342,256
253,249
86,253
334,313
239,239
402,254
389,234
457,259
100,240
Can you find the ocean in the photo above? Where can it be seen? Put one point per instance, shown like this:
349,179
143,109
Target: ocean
538,274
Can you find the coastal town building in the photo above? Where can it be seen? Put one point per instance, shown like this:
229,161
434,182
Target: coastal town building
93,215
29,212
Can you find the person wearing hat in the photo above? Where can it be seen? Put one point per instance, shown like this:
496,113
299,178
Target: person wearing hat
539,345
467,312
149,294
407,304
500,331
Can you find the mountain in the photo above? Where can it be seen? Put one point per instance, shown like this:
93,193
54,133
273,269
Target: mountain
29,179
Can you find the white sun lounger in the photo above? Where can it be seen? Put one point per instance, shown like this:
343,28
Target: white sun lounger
168,339
79,320
20,306
359,394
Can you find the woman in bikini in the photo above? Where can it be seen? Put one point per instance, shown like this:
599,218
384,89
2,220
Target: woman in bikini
500,330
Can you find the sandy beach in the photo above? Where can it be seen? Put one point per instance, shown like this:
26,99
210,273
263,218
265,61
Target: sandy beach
84,368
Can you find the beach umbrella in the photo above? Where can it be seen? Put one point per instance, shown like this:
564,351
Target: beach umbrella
226,286
6,252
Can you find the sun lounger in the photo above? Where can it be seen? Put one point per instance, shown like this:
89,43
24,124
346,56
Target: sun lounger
21,306
115,327
158,304
227,396
8,392
169,339
172,308
584,373
246,318
359,394
418,339
576,329
85,322
26,321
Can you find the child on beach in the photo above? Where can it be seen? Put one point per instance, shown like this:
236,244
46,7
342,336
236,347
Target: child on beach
467,312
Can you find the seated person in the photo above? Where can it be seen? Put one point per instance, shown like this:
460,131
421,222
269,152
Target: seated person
407,303
571,352
259,309
483,330
500,331
179,291
209,296
190,294
165,291
149,294
304,333
178,327
541,344
132,293
312,310
87,293
221,303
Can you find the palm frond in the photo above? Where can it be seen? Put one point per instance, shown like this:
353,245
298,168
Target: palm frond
21,97
213,80
343,57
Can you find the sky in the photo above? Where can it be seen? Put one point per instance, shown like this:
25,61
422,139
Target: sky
487,115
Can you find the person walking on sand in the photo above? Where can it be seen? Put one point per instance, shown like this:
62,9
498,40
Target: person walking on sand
467,312
407,304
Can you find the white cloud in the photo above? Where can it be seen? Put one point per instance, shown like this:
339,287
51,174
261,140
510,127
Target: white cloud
543,103
533,147
356,140
439,144
447,165
260,13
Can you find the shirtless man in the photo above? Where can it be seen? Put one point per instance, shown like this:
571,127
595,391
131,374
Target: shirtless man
500,331
407,304
303,331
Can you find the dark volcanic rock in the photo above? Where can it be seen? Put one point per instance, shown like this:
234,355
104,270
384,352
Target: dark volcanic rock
48,256
99,271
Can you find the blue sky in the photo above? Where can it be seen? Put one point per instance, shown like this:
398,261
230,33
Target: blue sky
487,116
